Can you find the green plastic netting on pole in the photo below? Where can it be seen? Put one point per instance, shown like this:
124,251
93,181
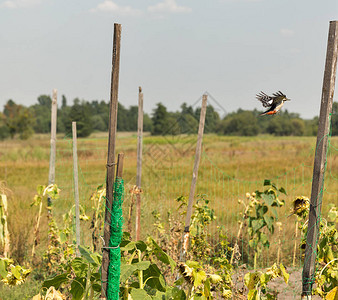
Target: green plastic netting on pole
114,269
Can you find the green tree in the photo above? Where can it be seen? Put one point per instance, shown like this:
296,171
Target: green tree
298,127
241,123
80,113
160,120
187,120
311,127
122,118
147,123
211,118
42,112
45,100
19,120
4,131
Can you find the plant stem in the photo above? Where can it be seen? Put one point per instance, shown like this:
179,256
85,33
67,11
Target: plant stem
140,273
239,233
88,285
295,246
255,260
36,230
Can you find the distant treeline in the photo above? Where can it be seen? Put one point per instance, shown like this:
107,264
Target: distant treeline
21,121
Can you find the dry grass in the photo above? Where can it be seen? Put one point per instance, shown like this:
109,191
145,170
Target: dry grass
230,167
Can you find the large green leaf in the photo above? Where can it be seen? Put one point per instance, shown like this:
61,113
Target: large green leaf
178,294
63,237
199,277
207,291
268,198
162,256
3,268
269,222
56,281
154,278
86,254
257,224
159,296
141,246
261,211
142,265
267,182
16,271
126,271
77,288
79,266
129,246
96,287
139,294
282,190
264,240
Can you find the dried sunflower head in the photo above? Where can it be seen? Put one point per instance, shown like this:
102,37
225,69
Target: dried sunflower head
300,206
186,272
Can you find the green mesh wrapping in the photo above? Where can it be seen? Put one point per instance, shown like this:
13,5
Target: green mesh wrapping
114,269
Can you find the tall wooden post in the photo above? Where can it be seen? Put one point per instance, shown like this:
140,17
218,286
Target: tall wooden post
139,163
194,176
76,190
111,154
320,160
51,177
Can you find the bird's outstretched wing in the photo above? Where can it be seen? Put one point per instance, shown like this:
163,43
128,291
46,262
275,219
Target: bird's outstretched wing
265,99
279,94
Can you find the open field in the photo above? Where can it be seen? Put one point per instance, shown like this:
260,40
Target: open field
230,167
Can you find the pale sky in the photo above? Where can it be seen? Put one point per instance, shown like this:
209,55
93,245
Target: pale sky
175,49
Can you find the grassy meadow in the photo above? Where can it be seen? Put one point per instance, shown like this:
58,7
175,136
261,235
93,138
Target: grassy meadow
229,168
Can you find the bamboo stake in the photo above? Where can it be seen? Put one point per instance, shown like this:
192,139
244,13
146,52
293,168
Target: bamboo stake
111,154
51,177
194,176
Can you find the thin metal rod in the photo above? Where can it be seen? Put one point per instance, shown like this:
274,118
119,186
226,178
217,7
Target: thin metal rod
76,189
139,163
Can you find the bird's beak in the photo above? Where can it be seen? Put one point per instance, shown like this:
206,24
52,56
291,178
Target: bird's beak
287,99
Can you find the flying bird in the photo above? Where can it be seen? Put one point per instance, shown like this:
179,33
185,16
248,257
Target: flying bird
274,102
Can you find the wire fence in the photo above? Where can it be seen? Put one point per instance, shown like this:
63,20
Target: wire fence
225,176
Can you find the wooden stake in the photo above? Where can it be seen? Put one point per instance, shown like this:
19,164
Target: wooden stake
194,175
111,153
76,190
51,177
320,160
119,166
139,162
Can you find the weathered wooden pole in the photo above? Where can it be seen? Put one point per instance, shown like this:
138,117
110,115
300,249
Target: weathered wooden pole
51,176
119,165
194,176
76,189
139,162
111,154
320,161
